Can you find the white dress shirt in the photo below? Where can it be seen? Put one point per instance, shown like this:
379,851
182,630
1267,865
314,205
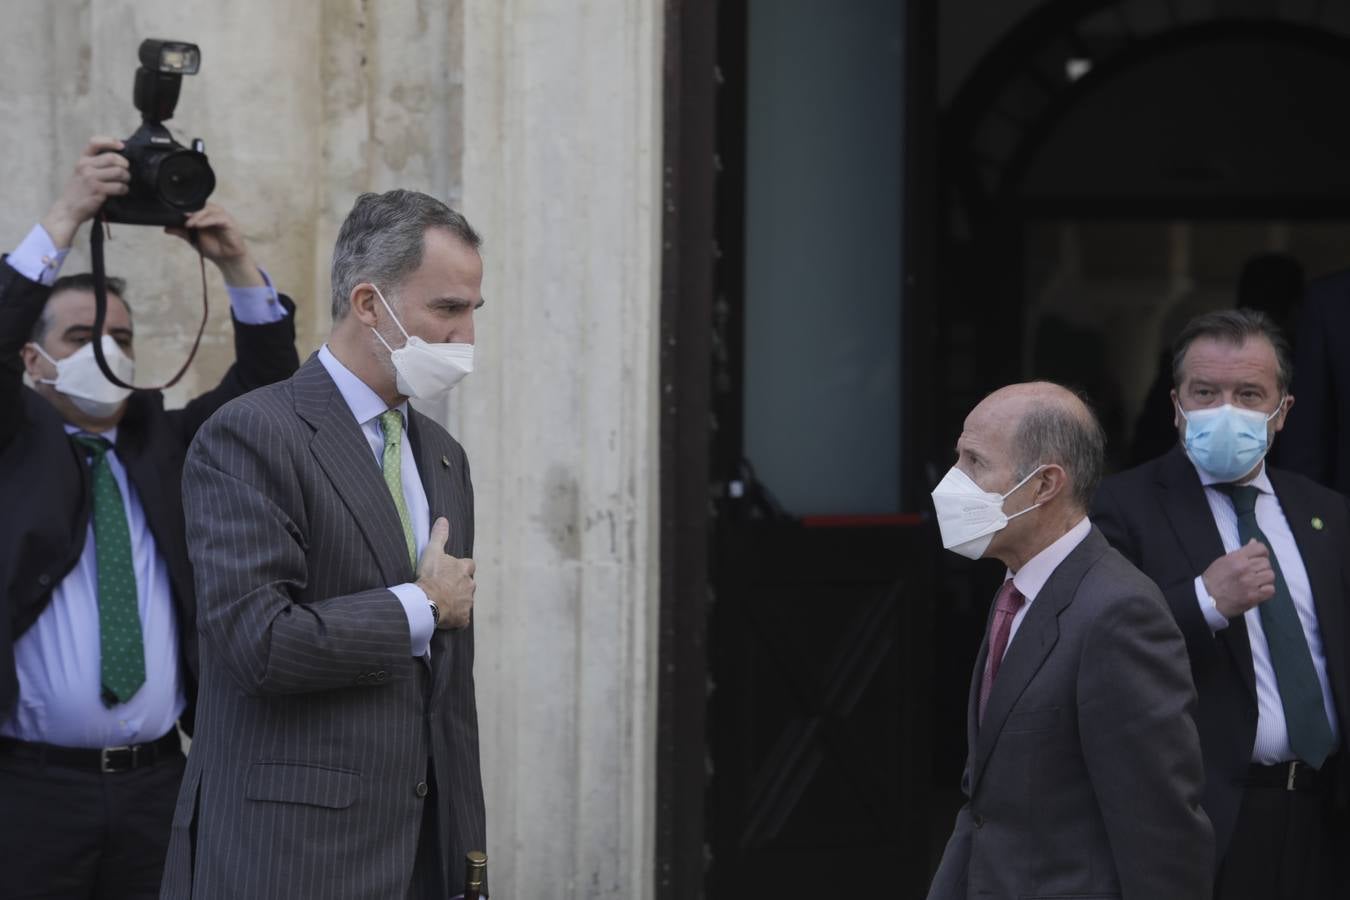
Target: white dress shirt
1031,578
58,659
366,406
1272,734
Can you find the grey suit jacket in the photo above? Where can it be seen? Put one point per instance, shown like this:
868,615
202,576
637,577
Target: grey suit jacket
308,770
1085,778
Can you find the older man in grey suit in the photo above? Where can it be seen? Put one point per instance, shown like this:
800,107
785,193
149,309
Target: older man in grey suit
330,525
1084,774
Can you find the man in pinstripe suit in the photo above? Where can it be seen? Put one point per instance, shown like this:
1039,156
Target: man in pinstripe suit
336,750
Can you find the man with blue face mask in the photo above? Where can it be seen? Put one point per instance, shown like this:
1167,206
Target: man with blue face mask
98,636
1084,774
1255,565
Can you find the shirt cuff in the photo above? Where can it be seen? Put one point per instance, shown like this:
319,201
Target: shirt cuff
1217,621
417,608
256,305
37,258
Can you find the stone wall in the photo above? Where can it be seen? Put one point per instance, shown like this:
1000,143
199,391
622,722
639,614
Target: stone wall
541,120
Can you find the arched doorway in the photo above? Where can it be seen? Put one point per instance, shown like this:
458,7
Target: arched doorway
1034,213
1105,172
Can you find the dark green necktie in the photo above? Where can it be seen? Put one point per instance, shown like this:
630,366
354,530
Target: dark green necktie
391,463
121,648
1300,691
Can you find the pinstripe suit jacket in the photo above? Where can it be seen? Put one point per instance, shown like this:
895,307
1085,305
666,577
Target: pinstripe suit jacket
315,724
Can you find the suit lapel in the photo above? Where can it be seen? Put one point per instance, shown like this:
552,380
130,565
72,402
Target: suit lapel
973,705
1026,653
341,450
1187,508
1320,550
436,483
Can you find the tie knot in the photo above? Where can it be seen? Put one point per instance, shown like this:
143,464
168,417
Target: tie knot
98,446
1009,599
1244,497
391,421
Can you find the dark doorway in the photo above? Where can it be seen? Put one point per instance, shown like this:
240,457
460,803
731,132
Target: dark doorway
820,571
848,269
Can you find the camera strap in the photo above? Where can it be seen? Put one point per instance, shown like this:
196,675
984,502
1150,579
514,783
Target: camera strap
101,310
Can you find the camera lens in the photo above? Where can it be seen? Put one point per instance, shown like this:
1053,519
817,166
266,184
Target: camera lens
184,180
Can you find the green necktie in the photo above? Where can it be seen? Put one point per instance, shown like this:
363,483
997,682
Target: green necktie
1300,691
121,647
391,422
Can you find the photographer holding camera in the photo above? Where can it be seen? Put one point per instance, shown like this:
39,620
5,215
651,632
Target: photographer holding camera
98,637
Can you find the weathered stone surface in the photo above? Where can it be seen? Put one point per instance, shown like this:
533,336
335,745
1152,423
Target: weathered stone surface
541,120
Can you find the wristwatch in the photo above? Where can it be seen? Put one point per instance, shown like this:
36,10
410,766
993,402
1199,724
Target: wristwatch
435,614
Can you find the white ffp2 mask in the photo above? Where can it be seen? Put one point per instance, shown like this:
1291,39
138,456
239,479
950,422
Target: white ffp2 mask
79,378
968,515
425,371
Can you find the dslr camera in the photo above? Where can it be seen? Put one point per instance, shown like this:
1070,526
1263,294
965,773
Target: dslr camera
168,180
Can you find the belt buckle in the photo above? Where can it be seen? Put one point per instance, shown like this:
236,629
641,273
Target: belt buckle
105,762
1293,774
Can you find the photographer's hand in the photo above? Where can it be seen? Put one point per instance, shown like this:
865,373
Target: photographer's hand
100,173
223,243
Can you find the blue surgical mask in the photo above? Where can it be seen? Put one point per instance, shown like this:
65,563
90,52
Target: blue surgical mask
1225,441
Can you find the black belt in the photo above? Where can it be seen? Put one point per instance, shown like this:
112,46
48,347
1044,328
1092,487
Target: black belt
1288,776
96,759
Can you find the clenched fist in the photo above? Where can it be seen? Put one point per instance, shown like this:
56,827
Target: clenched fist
1241,580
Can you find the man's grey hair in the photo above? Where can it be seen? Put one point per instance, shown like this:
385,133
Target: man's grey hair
1234,326
1056,433
382,238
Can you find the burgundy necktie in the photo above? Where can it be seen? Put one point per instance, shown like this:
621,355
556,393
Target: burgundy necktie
1006,605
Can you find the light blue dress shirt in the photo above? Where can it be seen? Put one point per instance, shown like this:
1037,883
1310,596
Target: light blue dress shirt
366,406
58,661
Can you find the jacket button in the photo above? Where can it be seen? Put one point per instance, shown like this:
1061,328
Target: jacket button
381,676
44,579
978,821
360,679
421,789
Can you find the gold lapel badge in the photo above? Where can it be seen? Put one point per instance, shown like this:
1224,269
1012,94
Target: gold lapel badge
1317,523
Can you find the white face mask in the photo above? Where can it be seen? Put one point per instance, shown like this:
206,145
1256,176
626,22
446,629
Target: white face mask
425,371
968,515
79,378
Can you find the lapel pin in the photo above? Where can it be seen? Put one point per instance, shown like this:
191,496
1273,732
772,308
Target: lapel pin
445,464
1317,523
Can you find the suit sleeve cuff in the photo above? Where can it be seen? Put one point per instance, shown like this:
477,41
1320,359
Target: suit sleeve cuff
256,305
1216,619
417,608
37,258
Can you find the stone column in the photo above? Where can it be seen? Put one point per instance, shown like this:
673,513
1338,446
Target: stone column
541,120
562,156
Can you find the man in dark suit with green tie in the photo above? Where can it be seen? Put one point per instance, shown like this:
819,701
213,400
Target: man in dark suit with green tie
1255,565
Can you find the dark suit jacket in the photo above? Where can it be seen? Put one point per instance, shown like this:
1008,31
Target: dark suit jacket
314,722
44,482
1315,441
1084,779
1157,516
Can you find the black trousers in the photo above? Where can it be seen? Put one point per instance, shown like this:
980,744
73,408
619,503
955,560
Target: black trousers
1285,847
71,834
